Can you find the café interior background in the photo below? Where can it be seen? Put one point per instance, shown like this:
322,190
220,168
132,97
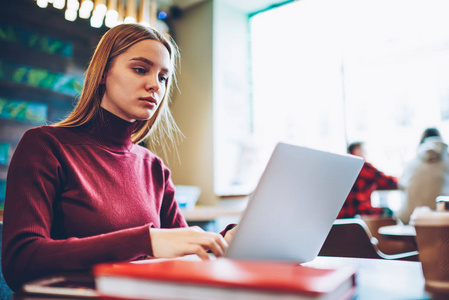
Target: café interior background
251,74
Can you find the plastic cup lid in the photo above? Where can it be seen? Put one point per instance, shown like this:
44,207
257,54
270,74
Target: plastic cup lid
426,217
442,199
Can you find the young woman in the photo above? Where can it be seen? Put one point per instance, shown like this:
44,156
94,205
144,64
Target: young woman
82,191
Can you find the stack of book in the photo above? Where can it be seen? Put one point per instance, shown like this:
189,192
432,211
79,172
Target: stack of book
222,279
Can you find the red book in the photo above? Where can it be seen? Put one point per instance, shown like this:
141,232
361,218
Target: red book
222,279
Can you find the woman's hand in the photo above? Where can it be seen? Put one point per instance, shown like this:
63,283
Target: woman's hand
229,234
175,242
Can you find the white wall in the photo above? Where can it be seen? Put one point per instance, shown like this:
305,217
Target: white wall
213,77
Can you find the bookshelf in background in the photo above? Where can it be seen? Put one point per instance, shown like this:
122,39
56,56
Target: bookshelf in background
42,62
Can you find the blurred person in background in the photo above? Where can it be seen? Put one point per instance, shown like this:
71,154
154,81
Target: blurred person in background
358,202
426,176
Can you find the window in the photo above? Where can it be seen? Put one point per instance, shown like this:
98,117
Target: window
325,73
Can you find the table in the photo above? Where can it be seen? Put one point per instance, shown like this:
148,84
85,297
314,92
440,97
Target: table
211,213
215,218
376,278
399,232
381,278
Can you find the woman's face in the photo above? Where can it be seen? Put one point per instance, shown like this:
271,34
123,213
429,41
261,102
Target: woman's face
136,81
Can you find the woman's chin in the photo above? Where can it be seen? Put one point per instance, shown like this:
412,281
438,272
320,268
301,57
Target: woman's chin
144,116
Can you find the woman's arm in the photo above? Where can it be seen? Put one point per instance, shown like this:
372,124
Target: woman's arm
34,180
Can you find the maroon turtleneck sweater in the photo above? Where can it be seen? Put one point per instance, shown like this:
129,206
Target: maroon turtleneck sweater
80,196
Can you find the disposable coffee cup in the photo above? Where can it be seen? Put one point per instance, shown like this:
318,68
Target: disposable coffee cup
432,237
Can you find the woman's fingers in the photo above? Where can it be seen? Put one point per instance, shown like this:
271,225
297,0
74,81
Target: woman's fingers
200,251
168,243
229,234
210,241
216,244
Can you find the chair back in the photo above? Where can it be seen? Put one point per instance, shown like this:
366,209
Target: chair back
385,245
352,238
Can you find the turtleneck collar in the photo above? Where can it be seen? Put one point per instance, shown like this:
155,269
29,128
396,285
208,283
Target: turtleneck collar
110,131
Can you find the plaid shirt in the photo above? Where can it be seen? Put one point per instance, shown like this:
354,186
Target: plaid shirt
358,201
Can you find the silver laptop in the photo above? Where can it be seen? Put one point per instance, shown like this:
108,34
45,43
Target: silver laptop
294,205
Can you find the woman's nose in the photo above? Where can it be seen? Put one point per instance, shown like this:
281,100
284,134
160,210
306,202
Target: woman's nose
153,83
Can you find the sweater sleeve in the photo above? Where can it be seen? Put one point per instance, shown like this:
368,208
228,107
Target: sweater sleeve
382,181
171,216
28,250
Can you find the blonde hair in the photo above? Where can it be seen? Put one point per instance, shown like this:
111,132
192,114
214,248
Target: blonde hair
114,42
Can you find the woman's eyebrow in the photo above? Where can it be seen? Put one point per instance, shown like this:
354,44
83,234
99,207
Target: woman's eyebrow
148,62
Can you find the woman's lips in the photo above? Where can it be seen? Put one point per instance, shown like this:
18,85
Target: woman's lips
149,101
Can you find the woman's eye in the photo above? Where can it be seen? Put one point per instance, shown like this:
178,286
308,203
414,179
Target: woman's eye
140,70
163,79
